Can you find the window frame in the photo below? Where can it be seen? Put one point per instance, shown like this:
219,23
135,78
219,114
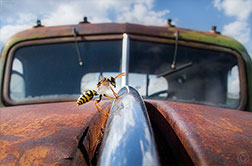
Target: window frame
6,82
206,46
193,44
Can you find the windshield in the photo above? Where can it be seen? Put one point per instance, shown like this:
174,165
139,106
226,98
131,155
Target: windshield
201,76
53,70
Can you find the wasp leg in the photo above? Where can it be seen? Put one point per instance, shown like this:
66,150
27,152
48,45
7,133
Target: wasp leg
115,94
98,107
100,110
110,98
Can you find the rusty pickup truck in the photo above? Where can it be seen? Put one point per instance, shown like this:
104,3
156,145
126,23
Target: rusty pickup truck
186,98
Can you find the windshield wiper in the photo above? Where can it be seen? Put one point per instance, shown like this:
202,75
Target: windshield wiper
75,33
175,70
173,65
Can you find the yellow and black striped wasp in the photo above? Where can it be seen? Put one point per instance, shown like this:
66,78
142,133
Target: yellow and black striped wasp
103,85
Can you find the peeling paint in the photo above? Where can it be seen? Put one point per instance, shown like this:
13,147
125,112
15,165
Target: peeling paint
43,134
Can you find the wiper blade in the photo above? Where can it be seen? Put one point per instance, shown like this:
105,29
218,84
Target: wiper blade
175,70
75,33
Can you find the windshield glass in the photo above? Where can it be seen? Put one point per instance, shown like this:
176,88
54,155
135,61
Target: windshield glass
53,70
201,75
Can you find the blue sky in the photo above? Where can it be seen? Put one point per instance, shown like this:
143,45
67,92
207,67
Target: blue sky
232,17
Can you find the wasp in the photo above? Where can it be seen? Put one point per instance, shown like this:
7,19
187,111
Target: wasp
103,85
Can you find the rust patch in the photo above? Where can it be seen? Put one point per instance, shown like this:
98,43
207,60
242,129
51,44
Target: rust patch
95,132
210,135
43,134
36,156
115,28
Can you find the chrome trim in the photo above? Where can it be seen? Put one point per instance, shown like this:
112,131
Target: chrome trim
128,138
125,58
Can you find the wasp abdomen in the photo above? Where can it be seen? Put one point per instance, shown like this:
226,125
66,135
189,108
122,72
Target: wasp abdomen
86,97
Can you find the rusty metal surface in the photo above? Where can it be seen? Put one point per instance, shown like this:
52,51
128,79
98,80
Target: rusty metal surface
115,28
210,135
95,133
43,134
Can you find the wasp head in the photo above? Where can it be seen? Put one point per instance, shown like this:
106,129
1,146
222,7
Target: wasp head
112,81
101,81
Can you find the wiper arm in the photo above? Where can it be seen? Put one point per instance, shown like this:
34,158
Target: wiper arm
175,70
173,65
75,33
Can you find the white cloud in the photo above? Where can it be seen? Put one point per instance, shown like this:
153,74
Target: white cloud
25,18
217,4
22,22
65,12
7,31
241,9
240,30
73,13
140,13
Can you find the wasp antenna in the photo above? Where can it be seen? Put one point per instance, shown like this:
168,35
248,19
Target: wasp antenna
120,75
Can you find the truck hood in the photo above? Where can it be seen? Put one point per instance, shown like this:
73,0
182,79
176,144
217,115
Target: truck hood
209,135
49,134
46,134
